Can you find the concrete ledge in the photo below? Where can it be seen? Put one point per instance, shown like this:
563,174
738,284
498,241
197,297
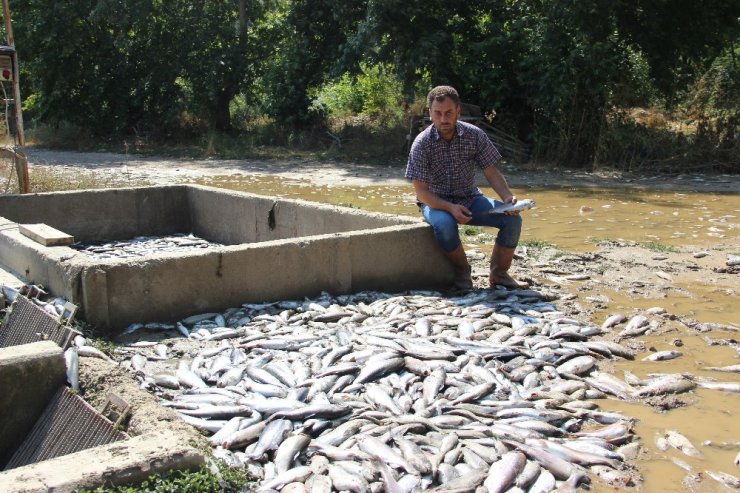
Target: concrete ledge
129,461
29,376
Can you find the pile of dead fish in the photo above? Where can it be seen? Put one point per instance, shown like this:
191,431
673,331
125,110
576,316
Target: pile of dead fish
374,392
142,245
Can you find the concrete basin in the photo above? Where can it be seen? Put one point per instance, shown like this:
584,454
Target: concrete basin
273,249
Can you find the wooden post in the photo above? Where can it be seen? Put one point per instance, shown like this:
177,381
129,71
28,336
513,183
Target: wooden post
21,161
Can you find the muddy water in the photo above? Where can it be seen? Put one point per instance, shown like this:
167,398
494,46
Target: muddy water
574,220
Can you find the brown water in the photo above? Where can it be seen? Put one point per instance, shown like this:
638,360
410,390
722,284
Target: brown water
574,219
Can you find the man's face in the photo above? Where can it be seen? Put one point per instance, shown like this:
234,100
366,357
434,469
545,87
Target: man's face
444,115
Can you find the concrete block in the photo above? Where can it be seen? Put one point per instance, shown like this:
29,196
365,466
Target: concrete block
45,234
29,376
126,462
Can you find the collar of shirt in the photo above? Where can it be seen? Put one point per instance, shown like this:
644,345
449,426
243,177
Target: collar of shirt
434,133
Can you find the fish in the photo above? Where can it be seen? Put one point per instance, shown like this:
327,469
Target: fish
613,320
725,479
271,437
636,326
437,389
72,362
288,451
667,384
680,442
519,206
728,369
663,356
503,472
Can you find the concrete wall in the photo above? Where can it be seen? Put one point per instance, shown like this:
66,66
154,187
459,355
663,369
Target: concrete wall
311,248
171,287
127,462
90,215
30,374
56,268
233,218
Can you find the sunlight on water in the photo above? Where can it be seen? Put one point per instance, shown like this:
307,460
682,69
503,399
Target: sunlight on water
573,219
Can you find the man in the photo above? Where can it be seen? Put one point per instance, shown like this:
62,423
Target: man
442,164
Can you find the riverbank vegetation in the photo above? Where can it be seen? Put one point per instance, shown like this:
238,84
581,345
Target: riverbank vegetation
583,84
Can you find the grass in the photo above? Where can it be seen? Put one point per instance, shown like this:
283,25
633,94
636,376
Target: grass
47,180
475,234
654,246
535,243
220,478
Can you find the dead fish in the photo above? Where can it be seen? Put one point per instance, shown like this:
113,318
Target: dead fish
166,380
667,384
680,442
663,356
519,206
577,366
243,437
559,467
390,485
545,483
288,451
72,361
613,320
723,386
726,479
728,369
380,450
91,351
297,474
637,325
503,472
466,482
271,437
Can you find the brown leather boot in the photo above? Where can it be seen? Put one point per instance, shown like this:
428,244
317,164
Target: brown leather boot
459,262
501,258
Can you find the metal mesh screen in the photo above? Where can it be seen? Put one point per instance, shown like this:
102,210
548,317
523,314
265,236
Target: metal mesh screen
29,323
67,425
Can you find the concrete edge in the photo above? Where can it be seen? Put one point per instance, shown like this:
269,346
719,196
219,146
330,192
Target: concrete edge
125,462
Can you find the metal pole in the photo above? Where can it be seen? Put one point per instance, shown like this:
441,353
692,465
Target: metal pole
21,161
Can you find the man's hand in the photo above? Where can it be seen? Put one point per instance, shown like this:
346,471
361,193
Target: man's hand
461,213
511,200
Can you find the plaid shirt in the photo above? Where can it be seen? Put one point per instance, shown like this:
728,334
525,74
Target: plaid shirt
449,167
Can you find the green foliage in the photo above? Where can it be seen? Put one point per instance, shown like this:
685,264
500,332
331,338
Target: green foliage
202,480
466,230
559,74
374,92
655,246
535,243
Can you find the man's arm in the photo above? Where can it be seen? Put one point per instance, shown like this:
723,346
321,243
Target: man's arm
499,185
461,213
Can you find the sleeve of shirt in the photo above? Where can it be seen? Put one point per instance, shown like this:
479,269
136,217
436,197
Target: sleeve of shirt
488,155
418,164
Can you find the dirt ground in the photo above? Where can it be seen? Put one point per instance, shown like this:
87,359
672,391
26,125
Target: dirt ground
160,170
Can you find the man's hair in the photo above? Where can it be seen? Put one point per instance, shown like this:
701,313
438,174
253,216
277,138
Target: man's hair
439,93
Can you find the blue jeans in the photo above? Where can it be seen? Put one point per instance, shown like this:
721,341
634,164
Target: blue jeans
446,230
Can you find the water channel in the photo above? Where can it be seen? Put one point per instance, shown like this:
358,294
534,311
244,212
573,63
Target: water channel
575,220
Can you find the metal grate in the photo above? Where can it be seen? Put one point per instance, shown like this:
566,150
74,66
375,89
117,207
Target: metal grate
27,323
67,425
